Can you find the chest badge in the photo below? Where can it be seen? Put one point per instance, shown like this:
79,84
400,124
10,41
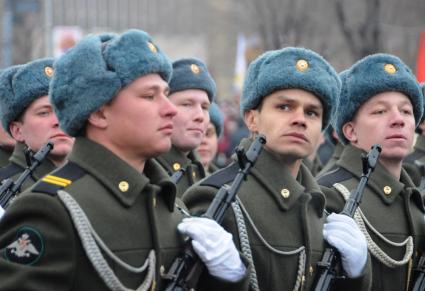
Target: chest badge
27,248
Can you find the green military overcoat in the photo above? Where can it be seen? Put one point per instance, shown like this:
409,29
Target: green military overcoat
175,160
288,213
132,213
394,208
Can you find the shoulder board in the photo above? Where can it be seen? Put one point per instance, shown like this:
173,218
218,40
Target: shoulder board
335,176
10,170
59,179
222,176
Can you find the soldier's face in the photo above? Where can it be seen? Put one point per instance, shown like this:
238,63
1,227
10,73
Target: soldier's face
387,119
209,145
191,120
38,125
138,122
291,120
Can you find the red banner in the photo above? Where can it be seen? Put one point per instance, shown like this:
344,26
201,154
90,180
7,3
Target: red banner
420,63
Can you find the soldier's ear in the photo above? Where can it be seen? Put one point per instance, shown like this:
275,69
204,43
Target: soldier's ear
15,128
98,118
349,131
251,120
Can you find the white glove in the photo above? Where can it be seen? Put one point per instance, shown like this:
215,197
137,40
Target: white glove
343,233
1,212
215,247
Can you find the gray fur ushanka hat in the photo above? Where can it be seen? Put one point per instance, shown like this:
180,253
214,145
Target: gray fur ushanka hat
192,73
372,75
21,85
291,68
91,74
216,117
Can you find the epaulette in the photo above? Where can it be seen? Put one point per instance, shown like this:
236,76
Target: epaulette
335,176
10,170
222,176
59,179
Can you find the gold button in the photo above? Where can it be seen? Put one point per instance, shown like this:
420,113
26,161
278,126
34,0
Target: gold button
176,166
387,190
193,174
285,193
311,270
195,69
301,66
161,270
48,71
390,68
123,185
152,47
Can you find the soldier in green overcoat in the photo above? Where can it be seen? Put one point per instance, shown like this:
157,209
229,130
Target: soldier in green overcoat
192,89
108,219
27,115
208,148
381,103
278,221
414,163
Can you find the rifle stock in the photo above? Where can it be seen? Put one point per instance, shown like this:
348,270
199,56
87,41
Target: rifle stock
330,257
9,188
186,268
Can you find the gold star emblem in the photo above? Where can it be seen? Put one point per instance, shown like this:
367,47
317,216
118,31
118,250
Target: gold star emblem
390,69
285,193
387,190
48,71
176,166
152,47
195,69
302,66
123,185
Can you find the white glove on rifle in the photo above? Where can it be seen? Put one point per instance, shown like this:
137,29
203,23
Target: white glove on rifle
1,212
342,233
215,247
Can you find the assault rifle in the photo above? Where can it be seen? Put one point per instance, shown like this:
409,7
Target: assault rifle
420,280
327,265
186,268
9,188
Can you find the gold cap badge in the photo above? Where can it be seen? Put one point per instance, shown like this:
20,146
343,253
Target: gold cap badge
48,71
195,69
302,66
390,68
152,47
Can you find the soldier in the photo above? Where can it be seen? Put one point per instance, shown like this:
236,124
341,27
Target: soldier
107,219
208,148
380,103
414,163
192,89
287,96
27,115
7,144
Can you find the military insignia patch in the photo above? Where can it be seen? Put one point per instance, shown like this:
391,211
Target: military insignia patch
27,248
